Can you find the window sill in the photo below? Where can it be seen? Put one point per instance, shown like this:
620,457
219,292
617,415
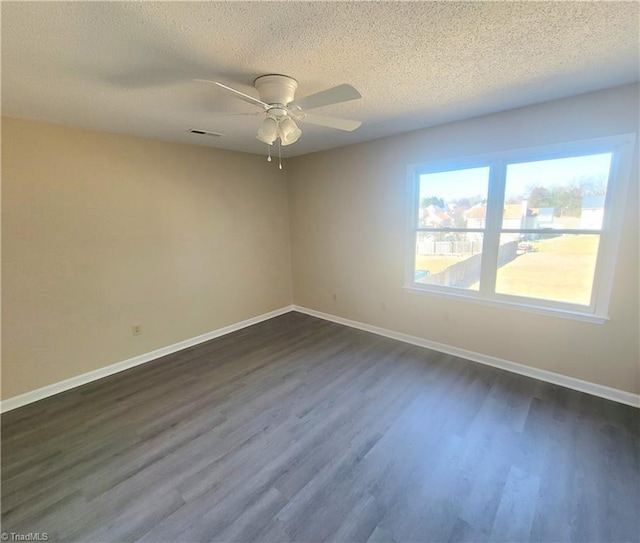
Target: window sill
551,312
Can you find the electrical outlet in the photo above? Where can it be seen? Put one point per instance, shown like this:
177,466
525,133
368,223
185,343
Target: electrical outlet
136,329
335,299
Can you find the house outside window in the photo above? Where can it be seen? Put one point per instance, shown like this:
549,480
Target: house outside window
536,229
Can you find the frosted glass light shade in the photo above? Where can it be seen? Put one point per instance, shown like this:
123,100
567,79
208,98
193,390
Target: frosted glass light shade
268,131
289,132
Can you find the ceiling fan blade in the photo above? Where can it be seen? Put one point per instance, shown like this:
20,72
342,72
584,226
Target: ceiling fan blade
334,95
330,122
216,115
237,94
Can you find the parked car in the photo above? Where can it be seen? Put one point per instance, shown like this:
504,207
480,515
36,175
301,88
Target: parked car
526,247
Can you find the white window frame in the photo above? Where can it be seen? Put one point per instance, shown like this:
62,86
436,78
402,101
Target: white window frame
621,147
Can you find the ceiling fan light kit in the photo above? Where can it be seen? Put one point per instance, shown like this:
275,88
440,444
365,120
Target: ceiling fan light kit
276,125
277,100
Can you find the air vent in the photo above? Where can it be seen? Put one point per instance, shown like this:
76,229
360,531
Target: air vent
205,133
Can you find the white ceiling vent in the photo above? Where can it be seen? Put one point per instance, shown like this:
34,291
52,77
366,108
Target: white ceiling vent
205,133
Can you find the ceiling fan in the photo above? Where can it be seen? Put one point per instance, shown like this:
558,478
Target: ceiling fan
282,111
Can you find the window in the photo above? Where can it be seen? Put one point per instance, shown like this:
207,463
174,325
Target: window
536,228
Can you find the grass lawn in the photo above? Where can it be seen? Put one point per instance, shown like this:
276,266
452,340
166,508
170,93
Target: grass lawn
436,263
562,270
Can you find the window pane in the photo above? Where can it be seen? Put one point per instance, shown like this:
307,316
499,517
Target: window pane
448,259
551,267
564,193
447,198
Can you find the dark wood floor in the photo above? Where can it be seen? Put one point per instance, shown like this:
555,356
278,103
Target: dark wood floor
298,429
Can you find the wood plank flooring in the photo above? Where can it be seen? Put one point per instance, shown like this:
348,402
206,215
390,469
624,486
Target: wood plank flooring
297,429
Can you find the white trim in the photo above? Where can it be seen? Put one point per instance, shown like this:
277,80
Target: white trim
520,306
73,382
602,391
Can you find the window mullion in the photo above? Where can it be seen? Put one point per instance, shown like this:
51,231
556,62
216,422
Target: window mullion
491,242
412,223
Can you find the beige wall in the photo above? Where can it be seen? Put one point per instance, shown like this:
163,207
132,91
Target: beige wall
348,238
103,231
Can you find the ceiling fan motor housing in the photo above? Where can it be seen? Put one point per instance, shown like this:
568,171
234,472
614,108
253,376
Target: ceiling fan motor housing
276,89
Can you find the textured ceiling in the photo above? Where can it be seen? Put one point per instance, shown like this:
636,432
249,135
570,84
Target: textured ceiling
128,66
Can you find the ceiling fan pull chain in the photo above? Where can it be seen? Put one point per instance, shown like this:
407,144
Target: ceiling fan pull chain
279,157
268,153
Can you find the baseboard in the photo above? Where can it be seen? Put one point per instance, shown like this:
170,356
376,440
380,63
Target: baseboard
73,382
602,391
